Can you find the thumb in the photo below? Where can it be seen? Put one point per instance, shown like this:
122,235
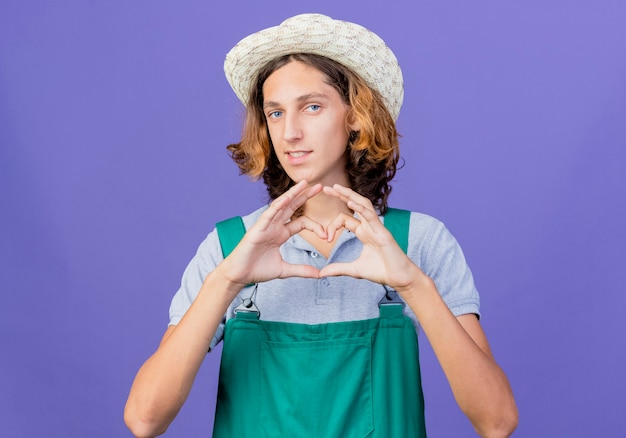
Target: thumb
305,271
337,269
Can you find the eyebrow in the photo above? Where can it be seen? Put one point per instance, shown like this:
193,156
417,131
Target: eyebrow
303,98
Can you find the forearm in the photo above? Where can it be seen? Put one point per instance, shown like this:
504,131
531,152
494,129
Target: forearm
165,380
479,385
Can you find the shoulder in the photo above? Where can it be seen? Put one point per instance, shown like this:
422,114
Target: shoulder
424,229
436,251
422,223
429,239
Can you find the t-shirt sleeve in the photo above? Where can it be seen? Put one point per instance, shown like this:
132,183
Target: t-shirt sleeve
440,256
208,256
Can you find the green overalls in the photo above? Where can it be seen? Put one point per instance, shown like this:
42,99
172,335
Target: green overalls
341,379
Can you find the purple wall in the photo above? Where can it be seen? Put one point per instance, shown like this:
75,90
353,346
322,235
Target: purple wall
113,121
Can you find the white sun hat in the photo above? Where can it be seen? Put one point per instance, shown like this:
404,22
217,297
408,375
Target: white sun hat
350,44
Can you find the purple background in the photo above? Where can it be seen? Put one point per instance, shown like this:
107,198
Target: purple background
114,117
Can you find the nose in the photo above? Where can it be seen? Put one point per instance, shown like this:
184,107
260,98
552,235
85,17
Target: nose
292,129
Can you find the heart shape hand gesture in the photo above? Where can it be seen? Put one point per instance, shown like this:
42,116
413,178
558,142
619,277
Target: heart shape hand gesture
257,257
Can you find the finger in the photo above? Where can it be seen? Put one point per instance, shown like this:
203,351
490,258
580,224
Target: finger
339,269
304,271
333,192
283,207
295,198
362,206
276,209
305,223
365,211
347,194
358,203
288,202
305,195
342,221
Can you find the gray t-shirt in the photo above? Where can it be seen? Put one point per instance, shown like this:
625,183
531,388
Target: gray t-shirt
335,299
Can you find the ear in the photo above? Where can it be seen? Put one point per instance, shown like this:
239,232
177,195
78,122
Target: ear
353,123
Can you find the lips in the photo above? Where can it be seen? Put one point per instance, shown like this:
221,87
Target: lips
297,154
297,158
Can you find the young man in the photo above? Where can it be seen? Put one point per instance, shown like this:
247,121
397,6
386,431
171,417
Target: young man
314,343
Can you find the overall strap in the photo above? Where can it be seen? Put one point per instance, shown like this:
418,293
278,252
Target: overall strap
230,232
397,221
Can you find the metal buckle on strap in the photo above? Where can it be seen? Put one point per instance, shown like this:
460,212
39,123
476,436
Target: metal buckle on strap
391,298
247,305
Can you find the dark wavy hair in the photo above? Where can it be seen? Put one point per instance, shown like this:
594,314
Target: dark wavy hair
373,151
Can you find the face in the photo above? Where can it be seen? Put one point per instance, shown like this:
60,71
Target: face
306,119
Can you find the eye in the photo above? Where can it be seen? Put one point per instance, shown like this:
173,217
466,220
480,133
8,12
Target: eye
274,114
314,107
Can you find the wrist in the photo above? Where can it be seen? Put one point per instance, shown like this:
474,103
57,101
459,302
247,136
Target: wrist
221,284
416,285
